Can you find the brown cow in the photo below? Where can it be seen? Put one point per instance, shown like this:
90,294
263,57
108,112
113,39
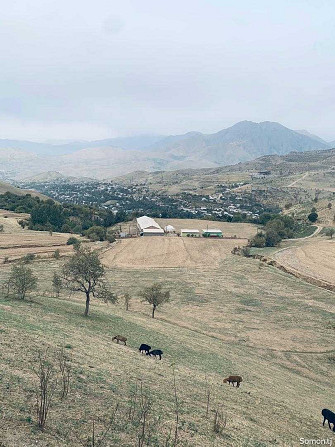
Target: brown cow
233,379
120,338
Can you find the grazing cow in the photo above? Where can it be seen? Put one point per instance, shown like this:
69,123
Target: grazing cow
156,353
233,379
328,416
119,338
144,348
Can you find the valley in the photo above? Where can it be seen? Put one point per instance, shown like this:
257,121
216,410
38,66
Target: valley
228,315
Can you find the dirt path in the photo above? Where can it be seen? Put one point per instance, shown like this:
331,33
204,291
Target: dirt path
291,185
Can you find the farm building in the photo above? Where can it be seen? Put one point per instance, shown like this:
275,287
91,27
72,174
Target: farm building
189,233
212,233
169,229
148,227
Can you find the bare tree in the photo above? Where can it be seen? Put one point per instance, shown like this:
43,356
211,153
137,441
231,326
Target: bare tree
84,272
47,383
155,295
65,371
220,422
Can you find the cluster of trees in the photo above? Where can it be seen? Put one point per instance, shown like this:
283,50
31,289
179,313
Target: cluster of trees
83,273
276,227
67,218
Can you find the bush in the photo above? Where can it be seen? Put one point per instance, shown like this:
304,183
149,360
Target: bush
313,217
329,232
245,251
96,233
56,254
29,258
272,238
258,241
73,241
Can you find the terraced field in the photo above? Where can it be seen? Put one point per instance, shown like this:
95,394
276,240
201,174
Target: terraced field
16,242
314,257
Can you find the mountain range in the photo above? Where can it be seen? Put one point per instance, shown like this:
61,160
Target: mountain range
109,158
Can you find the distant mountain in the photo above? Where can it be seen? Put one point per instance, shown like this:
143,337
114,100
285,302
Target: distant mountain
314,137
52,176
114,157
52,148
243,141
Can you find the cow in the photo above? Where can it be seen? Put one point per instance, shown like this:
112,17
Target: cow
328,416
119,338
233,379
156,353
144,348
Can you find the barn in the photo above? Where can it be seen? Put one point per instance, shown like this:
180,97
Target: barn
148,227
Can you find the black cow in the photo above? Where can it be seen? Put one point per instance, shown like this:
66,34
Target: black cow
156,353
144,348
328,416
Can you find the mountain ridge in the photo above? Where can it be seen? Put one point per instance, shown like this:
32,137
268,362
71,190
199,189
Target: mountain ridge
241,142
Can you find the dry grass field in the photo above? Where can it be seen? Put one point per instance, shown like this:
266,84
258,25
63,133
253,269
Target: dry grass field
16,242
168,252
233,316
165,252
314,257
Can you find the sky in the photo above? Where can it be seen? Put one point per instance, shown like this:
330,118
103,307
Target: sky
76,69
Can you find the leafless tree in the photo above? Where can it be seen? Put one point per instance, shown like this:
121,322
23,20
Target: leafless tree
65,372
47,382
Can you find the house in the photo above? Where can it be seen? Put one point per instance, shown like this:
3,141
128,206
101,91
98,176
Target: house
148,227
212,233
189,233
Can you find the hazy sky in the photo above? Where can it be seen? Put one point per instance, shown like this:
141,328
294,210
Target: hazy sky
97,69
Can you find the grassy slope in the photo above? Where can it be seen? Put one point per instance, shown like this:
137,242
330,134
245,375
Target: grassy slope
238,318
6,187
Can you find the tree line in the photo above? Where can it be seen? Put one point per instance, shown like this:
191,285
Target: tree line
47,215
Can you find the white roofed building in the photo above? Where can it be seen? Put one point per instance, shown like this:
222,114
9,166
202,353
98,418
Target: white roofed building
169,229
149,227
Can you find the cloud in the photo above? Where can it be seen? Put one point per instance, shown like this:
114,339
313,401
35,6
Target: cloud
107,67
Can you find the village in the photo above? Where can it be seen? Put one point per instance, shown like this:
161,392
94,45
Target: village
226,203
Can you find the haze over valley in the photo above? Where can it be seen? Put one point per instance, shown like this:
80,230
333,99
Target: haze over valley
111,158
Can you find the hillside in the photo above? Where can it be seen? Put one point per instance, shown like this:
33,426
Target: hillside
6,187
114,157
284,165
231,316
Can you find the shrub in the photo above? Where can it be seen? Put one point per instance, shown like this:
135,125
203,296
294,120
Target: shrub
313,217
330,232
96,233
29,258
272,238
56,254
73,241
258,241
